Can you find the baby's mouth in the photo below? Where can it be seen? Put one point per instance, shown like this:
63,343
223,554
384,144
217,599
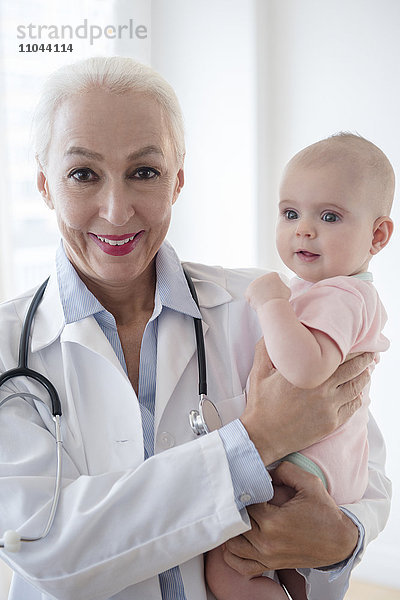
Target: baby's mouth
306,256
306,253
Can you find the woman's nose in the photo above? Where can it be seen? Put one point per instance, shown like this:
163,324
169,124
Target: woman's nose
305,228
117,205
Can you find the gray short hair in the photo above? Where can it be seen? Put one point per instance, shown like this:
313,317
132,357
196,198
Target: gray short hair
117,75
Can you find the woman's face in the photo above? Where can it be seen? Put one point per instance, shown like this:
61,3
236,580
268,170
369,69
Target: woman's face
112,178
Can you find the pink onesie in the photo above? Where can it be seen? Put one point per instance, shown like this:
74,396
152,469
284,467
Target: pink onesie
349,311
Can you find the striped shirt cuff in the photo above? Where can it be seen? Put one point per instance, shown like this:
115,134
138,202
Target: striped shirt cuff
339,569
251,481
340,572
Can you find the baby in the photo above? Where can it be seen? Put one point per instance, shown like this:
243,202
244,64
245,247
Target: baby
335,198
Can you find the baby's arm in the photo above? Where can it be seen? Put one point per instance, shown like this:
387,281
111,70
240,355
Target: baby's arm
305,357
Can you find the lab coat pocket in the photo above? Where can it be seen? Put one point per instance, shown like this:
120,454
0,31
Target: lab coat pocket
231,408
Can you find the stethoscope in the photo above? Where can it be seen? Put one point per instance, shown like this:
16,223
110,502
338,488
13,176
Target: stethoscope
202,421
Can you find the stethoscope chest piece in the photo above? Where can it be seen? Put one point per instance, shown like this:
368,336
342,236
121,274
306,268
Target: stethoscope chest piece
206,419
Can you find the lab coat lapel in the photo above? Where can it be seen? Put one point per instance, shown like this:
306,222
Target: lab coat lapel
49,325
176,346
177,341
88,333
100,393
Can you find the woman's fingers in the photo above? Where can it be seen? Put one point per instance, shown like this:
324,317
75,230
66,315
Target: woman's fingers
347,410
262,365
352,369
239,553
349,380
292,476
247,568
353,388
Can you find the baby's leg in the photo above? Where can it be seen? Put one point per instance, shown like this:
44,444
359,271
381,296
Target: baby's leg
227,584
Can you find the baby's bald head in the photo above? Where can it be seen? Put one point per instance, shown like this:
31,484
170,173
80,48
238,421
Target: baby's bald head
369,166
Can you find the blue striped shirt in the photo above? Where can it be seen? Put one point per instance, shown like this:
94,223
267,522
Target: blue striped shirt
251,481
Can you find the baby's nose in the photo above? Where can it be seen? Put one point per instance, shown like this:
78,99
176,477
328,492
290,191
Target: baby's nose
305,229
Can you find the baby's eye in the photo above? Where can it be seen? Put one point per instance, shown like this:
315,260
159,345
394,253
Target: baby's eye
83,175
330,217
145,173
290,214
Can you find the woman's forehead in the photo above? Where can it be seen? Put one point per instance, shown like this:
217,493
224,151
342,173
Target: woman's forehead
96,118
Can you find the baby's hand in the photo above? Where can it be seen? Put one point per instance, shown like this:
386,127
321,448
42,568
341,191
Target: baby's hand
265,288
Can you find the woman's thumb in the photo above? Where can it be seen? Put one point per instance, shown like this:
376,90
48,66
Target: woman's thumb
293,476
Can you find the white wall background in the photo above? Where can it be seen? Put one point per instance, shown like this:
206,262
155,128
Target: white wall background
258,80
216,83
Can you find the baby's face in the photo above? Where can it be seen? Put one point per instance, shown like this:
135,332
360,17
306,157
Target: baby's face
325,225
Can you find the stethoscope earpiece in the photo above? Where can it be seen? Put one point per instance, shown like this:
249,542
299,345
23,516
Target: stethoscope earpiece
12,541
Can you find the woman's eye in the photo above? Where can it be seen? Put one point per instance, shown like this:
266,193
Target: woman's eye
83,175
290,214
145,173
330,217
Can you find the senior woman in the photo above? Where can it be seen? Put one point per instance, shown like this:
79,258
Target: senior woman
142,498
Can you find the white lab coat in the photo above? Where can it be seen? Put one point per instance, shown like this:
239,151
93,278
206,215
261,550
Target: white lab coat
121,520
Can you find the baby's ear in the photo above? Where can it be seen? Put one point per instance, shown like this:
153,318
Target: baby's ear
382,232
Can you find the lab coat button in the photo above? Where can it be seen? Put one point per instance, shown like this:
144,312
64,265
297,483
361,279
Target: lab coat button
245,498
167,440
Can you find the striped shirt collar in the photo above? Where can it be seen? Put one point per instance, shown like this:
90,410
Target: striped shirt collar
171,292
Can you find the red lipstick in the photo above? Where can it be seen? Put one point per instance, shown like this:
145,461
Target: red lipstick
117,245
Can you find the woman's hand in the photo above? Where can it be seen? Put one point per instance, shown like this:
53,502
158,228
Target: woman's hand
307,531
281,418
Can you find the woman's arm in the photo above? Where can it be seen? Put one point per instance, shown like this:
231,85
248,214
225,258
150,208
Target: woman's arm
310,531
305,357
116,529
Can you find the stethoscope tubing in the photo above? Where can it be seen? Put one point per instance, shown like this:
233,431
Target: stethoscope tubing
12,540
27,326
198,328
22,370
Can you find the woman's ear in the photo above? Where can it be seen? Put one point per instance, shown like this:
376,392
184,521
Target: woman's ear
180,181
43,186
382,232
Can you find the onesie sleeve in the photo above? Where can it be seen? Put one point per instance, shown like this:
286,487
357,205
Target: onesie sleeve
347,310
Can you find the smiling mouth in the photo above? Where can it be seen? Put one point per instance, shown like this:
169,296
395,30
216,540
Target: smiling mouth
117,245
116,240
